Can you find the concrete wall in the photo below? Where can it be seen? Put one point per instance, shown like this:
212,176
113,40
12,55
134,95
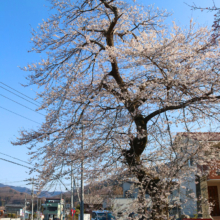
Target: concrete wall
10,218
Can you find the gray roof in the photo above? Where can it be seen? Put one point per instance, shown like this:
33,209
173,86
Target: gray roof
14,205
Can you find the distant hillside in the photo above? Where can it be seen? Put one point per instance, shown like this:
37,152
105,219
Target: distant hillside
9,195
16,194
28,191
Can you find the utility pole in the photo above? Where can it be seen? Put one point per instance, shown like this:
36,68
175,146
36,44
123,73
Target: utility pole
72,191
82,183
32,199
60,205
77,188
24,207
37,210
64,208
40,206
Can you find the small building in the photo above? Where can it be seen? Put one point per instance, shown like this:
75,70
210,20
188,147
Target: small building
92,202
13,208
53,209
118,205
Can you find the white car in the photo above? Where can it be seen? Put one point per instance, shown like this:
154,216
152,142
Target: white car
102,215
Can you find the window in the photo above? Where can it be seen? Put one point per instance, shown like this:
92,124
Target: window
52,209
93,215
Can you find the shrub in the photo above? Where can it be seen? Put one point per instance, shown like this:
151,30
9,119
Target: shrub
13,215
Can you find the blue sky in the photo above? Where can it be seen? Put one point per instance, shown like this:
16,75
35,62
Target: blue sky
17,17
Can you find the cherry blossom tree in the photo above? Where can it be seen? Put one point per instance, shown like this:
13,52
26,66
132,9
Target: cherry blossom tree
216,23
119,81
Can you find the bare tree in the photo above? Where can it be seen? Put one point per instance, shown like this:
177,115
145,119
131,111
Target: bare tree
118,67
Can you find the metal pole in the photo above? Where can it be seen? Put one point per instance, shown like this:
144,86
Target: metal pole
32,199
40,205
60,205
77,189
37,210
82,184
72,190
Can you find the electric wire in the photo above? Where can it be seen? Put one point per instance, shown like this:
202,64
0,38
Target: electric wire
13,181
15,158
20,115
22,105
20,92
16,163
28,168
63,184
19,96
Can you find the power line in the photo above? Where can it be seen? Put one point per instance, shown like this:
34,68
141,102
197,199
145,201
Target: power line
19,96
14,158
63,184
13,181
19,115
20,92
22,105
16,163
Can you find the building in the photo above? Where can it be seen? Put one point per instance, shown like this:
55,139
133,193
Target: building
129,190
206,188
122,205
92,202
13,208
196,190
53,209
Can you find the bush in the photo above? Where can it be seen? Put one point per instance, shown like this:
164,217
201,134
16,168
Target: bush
195,216
77,213
13,215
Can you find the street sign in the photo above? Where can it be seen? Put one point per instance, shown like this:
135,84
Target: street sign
73,212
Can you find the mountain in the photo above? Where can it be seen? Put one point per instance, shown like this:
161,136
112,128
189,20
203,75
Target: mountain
28,191
9,195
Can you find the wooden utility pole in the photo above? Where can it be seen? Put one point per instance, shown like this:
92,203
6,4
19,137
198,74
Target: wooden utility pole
32,199
24,206
82,182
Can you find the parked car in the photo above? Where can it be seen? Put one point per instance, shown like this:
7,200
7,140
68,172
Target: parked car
102,215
